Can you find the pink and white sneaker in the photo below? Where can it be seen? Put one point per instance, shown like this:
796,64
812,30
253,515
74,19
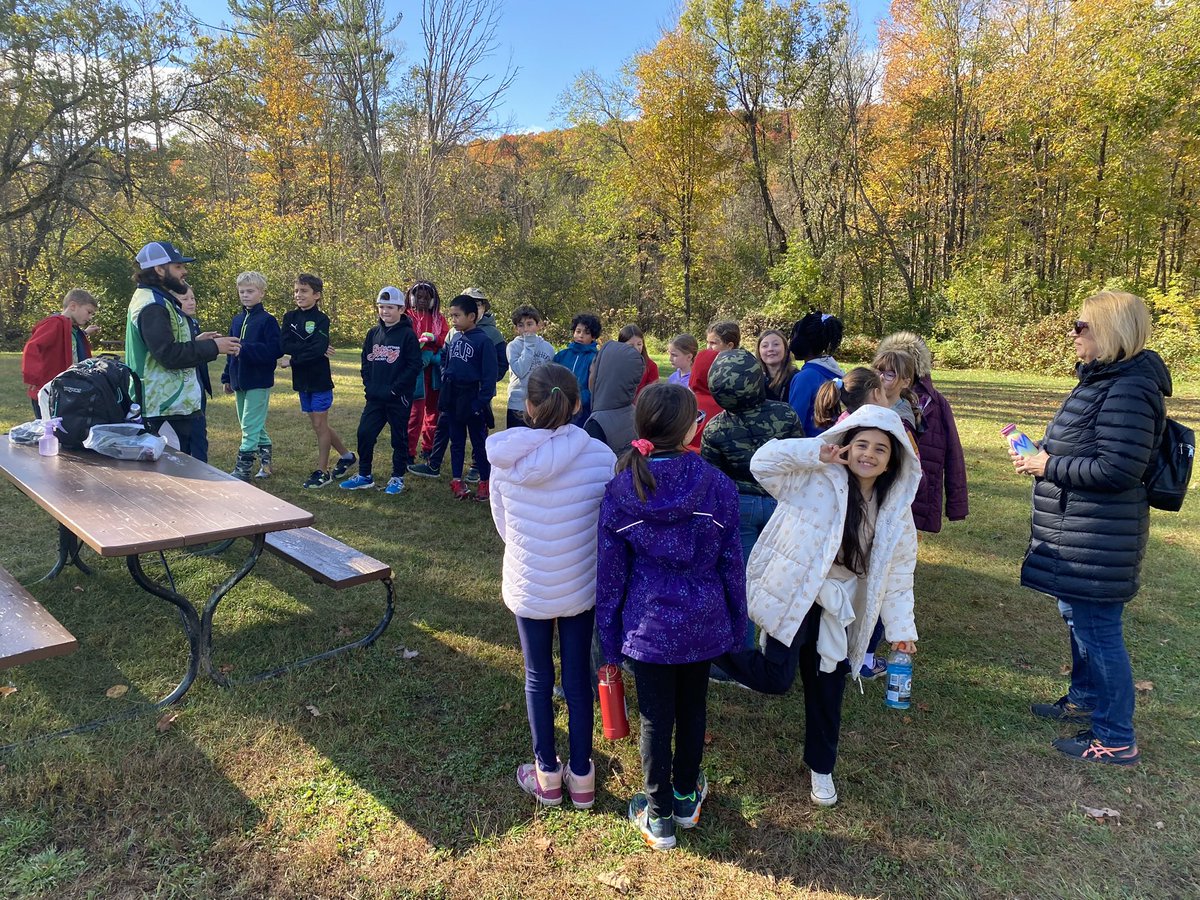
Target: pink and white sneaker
545,786
580,788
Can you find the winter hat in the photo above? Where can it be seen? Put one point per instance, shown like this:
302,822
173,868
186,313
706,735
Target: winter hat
912,344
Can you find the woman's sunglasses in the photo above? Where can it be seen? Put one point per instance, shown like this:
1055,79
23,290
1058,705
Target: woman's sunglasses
1079,327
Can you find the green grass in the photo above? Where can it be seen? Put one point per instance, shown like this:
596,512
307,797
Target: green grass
403,786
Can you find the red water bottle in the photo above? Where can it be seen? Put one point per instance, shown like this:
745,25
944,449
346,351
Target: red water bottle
612,703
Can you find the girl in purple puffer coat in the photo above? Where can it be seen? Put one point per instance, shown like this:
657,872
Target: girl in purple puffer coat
670,598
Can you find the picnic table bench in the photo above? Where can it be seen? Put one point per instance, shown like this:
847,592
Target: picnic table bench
27,631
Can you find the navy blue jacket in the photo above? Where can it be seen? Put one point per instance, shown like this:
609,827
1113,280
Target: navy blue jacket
254,366
471,359
391,362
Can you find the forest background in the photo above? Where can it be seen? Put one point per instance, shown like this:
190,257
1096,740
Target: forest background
989,164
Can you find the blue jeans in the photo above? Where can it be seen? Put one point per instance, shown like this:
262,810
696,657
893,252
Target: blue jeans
754,511
574,644
1101,677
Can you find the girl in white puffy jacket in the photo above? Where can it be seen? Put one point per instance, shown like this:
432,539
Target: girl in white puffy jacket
547,482
837,554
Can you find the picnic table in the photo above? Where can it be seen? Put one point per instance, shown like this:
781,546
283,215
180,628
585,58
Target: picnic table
129,509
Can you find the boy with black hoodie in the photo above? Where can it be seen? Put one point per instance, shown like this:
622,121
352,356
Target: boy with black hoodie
468,386
391,362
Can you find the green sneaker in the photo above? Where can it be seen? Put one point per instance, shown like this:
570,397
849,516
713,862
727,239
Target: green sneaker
658,833
687,809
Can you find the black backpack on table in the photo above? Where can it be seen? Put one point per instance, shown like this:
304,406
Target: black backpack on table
96,391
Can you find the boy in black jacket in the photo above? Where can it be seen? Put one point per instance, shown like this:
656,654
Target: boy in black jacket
306,345
391,361
468,386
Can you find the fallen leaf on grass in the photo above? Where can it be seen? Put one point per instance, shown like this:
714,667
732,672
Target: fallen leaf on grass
408,654
504,707
1064,669
166,722
1103,815
1160,825
923,707
7,689
907,720
1143,687
615,880
708,738
226,668
312,709
546,845
116,691
79,587
342,632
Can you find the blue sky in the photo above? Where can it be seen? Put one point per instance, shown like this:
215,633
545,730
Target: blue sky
552,41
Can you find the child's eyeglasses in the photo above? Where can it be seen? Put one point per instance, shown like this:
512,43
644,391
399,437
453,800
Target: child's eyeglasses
700,417
1079,327
888,377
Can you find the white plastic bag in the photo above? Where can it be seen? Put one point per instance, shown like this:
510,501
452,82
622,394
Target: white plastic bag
125,440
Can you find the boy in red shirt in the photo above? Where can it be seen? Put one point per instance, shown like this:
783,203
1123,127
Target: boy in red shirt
58,342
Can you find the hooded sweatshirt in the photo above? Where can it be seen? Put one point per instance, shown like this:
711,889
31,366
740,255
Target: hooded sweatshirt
791,562
391,361
488,323
805,384
670,583
579,358
546,490
615,378
749,419
704,398
525,353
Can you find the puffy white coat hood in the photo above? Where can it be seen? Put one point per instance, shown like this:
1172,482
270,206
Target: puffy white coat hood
546,488
795,551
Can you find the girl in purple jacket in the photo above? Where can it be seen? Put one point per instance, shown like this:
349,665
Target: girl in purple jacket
670,598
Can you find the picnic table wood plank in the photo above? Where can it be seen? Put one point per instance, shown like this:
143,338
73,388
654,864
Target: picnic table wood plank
121,508
326,558
27,631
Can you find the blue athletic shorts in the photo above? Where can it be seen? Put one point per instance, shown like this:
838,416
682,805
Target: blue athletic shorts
315,401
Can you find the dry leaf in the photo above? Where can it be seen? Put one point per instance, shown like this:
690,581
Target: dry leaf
226,668
1103,814
409,654
504,707
615,880
117,690
546,845
907,720
7,689
312,709
166,722
1064,669
1143,687
1160,825
923,707
79,587
342,632
708,738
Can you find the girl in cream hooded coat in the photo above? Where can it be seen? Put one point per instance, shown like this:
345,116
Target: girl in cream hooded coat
547,482
814,612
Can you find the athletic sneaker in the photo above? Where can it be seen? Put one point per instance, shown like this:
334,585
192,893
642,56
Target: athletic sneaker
483,493
395,485
1061,710
687,809
545,786
658,833
343,465
425,470
1086,747
823,792
358,483
318,479
459,490
870,673
472,476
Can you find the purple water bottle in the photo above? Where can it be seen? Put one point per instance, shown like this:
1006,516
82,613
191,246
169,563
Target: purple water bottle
1019,441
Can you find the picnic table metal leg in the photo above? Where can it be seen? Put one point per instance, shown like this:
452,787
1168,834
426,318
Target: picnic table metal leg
68,551
191,629
257,542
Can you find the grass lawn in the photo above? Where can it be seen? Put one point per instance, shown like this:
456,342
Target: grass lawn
403,785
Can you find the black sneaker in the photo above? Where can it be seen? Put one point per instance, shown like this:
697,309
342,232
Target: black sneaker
472,476
318,479
1061,710
425,470
1087,747
342,467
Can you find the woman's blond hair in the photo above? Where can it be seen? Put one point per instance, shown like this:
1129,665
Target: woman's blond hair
1119,324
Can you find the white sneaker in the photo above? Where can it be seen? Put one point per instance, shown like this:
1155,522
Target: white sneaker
823,792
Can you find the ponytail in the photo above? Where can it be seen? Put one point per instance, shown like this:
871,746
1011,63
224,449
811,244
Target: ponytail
552,392
664,415
849,393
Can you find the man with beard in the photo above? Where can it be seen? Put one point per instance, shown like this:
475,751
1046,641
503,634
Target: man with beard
159,345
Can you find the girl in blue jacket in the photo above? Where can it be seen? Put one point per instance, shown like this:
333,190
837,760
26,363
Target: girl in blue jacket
670,598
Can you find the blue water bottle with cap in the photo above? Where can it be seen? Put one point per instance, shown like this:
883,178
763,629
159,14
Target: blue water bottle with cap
899,680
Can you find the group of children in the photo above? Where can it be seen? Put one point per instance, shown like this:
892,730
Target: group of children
659,521
752,492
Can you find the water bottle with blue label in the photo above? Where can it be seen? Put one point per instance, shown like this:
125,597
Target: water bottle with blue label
899,680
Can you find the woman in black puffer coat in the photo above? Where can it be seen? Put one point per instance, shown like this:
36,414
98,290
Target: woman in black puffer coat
1091,518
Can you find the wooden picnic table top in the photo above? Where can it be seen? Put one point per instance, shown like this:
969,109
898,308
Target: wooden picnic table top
121,508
